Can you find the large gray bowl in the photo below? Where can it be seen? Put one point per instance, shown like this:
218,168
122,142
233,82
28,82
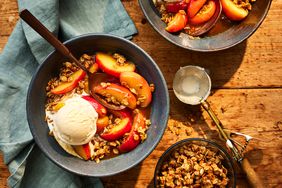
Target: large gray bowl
50,67
234,35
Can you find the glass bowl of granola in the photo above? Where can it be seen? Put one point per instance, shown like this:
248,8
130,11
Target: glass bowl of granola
98,136
195,162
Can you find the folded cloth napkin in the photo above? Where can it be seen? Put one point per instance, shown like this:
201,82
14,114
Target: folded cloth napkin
24,51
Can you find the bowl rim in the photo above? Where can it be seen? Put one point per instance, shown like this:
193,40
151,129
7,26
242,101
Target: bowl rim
36,137
175,145
199,49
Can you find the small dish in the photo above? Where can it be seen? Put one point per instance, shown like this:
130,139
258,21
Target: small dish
227,160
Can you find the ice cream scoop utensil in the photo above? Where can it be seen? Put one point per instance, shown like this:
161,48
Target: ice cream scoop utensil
192,85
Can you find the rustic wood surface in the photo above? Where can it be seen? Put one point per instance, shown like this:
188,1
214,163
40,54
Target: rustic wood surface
247,94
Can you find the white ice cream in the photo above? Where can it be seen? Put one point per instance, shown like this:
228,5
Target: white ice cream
75,122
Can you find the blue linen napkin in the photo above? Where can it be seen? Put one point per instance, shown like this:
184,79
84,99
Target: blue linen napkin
24,51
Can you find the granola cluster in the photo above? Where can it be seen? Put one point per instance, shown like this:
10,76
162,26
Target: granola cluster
65,73
102,149
193,165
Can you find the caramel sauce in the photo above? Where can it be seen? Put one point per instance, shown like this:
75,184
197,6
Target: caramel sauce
222,25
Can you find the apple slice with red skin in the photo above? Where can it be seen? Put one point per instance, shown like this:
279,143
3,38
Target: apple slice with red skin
194,7
101,123
124,126
232,11
138,85
133,139
83,151
110,66
176,6
204,14
65,87
178,22
100,109
120,93
94,68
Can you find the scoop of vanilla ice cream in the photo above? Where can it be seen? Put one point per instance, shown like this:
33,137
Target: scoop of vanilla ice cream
75,122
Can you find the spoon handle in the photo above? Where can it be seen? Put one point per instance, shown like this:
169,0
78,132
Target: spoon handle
35,24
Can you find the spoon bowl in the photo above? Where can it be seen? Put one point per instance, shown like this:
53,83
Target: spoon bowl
192,85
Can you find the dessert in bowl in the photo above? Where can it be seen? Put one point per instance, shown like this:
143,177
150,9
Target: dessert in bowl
222,29
66,102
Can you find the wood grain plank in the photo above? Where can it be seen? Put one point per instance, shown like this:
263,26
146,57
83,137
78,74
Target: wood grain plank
248,111
8,16
253,63
4,173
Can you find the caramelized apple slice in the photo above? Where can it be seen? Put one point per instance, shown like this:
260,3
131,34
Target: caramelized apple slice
133,139
94,68
68,86
233,11
118,130
116,94
83,151
110,66
194,7
178,22
101,110
138,85
174,7
101,123
204,14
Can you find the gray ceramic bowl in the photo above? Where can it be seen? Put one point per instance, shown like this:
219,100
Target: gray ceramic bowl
234,35
227,160
50,67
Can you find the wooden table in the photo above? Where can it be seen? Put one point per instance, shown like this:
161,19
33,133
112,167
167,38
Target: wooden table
247,93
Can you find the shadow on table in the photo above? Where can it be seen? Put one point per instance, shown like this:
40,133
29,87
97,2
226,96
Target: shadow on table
221,65
121,180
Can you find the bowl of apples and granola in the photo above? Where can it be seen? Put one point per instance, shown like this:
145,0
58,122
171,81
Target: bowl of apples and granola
205,25
106,132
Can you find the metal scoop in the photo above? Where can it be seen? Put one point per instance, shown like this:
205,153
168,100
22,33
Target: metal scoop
192,85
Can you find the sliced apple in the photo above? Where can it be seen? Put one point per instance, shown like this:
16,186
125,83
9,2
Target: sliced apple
133,139
178,22
83,151
124,126
100,109
101,123
94,68
110,66
119,93
138,85
118,131
194,7
204,14
176,6
121,113
65,87
233,11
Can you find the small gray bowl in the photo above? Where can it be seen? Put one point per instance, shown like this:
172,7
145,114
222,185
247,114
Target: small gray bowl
234,35
227,160
50,68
